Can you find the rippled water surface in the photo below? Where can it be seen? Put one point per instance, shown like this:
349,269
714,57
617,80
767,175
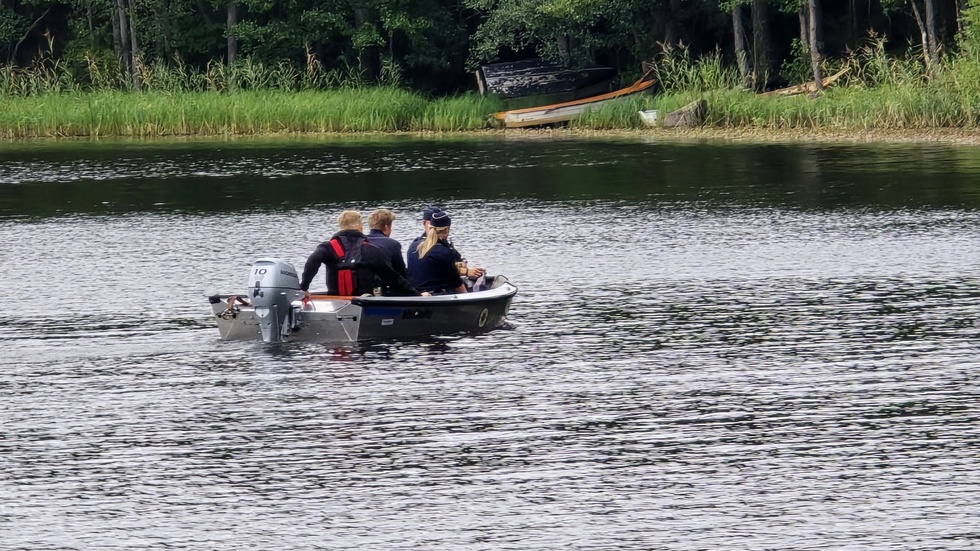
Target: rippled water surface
713,347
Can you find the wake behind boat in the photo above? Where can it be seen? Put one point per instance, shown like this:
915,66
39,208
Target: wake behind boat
273,309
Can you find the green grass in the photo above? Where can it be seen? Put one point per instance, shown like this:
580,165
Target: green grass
150,114
878,92
840,108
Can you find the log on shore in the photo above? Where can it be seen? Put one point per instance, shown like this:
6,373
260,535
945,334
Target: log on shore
806,87
691,115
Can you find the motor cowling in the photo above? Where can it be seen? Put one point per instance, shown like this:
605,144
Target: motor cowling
272,287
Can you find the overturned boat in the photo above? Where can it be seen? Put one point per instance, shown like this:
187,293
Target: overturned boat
537,77
274,309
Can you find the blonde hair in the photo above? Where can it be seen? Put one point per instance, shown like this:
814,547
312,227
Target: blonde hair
432,236
380,218
349,220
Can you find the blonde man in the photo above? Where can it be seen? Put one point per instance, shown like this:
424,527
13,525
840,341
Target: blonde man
352,263
380,222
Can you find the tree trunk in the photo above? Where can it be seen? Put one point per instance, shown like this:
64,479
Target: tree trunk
367,56
957,10
927,32
762,65
932,31
815,44
135,49
117,46
804,28
164,27
230,31
741,54
125,53
671,37
13,55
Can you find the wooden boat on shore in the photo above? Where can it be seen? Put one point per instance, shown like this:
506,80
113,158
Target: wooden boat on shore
536,77
563,112
273,309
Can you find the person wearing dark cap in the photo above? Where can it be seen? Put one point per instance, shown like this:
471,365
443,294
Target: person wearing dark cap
427,213
426,219
431,263
460,262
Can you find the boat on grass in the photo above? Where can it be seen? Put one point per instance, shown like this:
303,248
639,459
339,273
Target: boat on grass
273,309
536,77
566,111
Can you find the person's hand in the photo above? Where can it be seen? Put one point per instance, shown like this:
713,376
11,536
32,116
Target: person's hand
475,273
426,294
306,295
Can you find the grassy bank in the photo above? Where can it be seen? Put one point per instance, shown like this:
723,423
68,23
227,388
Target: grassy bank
152,114
878,94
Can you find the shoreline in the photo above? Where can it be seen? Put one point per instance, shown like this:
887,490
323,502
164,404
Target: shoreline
943,136
747,135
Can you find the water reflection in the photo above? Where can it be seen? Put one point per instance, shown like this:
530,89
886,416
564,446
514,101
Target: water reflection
87,178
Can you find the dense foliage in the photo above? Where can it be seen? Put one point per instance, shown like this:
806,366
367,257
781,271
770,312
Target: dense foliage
434,45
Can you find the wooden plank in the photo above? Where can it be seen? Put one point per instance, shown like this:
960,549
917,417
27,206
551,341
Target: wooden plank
806,87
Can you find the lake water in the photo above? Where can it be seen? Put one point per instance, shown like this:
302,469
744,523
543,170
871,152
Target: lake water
714,346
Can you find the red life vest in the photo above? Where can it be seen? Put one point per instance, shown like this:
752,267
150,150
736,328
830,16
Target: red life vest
347,263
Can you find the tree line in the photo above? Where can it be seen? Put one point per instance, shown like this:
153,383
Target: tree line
434,45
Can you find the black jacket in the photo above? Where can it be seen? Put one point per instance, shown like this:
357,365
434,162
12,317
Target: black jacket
437,271
391,247
373,264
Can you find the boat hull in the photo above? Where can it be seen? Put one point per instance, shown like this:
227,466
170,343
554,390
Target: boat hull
536,77
566,111
353,319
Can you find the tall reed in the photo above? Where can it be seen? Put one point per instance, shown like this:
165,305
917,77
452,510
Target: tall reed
101,73
150,114
677,71
96,98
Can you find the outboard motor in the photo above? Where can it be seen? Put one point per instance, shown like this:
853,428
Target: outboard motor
272,287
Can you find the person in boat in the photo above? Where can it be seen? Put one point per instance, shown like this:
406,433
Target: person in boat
353,263
426,220
471,274
380,222
432,264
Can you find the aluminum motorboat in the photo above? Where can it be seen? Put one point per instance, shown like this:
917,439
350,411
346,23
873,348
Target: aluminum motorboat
274,309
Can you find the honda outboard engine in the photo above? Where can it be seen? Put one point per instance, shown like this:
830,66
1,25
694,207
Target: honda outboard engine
272,286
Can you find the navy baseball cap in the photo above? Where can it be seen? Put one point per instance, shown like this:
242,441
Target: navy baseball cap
429,211
440,219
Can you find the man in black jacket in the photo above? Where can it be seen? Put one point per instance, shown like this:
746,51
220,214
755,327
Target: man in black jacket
380,222
352,263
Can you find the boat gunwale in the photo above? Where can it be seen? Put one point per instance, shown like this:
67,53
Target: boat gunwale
507,290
